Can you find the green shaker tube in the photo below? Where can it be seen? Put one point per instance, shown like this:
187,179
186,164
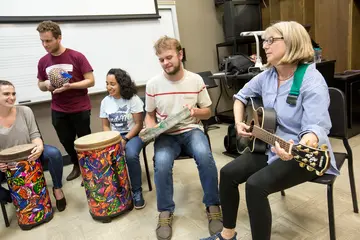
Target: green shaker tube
151,133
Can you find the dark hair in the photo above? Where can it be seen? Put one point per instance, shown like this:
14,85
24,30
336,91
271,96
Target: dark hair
127,86
49,26
6,83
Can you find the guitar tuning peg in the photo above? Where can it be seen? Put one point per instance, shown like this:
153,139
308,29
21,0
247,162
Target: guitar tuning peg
316,152
319,173
298,146
313,164
306,150
305,160
310,168
316,145
301,164
324,147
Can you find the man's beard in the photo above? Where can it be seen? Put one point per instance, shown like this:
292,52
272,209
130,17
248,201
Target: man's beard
55,50
175,71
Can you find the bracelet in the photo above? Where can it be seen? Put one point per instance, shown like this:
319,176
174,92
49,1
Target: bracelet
126,139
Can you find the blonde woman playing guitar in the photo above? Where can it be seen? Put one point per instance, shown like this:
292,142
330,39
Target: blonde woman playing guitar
300,122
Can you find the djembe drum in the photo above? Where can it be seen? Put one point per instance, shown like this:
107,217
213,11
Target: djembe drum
27,186
58,77
103,168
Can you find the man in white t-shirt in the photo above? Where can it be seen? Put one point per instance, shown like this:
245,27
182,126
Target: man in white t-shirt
166,95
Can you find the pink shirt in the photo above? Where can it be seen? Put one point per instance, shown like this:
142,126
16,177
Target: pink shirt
76,64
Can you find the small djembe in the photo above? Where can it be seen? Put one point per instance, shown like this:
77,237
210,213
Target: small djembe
58,77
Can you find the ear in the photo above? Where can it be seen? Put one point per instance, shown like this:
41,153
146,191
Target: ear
181,55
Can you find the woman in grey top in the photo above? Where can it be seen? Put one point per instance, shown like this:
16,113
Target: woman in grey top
18,126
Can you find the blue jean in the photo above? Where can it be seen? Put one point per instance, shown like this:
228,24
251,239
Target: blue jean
53,156
55,164
167,148
132,152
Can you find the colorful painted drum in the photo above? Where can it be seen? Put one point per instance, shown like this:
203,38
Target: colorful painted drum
27,186
102,162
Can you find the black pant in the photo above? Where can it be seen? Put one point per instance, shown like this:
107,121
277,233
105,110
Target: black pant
3,193
261,180
68,126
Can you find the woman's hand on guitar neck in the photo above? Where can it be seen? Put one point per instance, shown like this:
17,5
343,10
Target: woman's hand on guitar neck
242,129
283,155
310,139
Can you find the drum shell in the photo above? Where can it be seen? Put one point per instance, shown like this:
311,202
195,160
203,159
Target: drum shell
29,193
106,180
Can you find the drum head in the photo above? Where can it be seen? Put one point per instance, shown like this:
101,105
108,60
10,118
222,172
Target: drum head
16,153
97,140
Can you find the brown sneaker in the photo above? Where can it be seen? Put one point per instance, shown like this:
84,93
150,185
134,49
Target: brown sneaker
215,219
163,229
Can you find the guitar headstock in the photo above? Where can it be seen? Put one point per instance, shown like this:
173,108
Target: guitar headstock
317,159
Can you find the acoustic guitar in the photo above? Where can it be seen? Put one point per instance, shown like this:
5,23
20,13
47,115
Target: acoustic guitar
262,122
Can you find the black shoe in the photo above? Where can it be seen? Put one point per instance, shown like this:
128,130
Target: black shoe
74,173
5,196
61,203
139,201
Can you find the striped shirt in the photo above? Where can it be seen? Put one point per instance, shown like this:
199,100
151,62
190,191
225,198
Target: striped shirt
167,98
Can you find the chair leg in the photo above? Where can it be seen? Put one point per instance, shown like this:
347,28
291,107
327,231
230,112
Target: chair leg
147,169
351,176
207,136
6,219
353,189
283,193
331,211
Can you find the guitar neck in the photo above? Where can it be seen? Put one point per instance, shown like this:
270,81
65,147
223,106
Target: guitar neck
270,138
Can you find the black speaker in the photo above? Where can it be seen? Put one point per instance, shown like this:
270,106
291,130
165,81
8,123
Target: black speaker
219,2
241,16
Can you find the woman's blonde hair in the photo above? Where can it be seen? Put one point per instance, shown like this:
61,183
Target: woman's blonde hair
297,41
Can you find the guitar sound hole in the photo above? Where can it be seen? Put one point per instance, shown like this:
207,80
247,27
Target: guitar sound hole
251,124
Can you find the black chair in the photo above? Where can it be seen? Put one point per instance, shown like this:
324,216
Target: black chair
144,153
5,216
209,82
147,170
182,154
327,69
339,130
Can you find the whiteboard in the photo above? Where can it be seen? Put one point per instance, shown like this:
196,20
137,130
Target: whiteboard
38,10
116,44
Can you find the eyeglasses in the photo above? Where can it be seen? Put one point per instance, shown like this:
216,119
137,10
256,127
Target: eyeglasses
271,40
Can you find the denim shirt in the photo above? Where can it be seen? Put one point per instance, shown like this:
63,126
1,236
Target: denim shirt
310,114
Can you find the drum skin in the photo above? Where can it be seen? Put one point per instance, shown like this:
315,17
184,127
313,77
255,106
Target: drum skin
106,180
